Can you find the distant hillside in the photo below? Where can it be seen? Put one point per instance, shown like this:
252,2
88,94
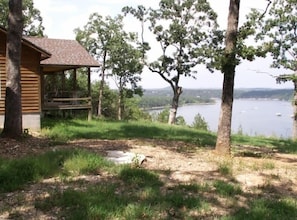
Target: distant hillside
281,94
162,97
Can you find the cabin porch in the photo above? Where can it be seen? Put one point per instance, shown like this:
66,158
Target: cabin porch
57,97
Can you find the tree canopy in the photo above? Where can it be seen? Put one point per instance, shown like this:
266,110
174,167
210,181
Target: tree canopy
119,52
32,19
184,30
277,33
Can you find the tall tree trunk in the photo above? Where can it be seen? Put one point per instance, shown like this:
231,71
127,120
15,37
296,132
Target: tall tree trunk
294,132
223,144
177,91
101,89
120,100
13,104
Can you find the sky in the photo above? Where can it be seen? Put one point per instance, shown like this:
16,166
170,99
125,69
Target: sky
60,18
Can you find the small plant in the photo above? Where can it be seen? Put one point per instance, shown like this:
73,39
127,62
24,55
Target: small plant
180,120
227,189
225,168
139,177
163,116
84,162
200,123
268,165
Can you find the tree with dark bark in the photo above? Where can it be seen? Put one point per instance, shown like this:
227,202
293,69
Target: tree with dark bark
236,49
32,20
229,63
13,104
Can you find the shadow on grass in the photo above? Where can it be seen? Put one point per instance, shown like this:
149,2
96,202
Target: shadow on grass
113,130
136,193
140,194
263,208
17,173
281,145
75,129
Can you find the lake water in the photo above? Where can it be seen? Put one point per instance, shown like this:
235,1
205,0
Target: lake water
253,117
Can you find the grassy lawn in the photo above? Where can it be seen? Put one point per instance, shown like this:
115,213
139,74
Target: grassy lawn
133,192
113,130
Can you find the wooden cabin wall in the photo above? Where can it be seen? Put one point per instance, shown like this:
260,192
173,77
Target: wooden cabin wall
2,72
30,79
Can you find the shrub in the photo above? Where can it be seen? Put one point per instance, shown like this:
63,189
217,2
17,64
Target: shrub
163,116
180,120
200,123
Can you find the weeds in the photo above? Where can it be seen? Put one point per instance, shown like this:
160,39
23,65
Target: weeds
227,189
225,168
267,165
15,174
285,208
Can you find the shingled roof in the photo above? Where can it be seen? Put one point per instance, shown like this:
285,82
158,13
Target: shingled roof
65,54
44,54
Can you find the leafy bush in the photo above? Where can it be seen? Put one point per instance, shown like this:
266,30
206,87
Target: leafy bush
163,116
200,123
180,120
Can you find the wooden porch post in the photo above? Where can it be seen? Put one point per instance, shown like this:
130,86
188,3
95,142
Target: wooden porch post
63,81
74,82
89,94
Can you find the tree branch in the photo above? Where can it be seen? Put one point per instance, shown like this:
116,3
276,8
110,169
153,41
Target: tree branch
162,75
269,3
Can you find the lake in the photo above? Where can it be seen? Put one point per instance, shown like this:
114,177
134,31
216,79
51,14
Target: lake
253,117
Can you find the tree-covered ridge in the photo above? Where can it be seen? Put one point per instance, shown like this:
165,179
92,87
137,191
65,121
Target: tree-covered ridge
280,94
161,97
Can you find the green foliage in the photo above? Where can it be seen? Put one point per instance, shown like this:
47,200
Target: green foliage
83,162
137,177
227,189
225,168
32,18
200,123
276,33
180,121
16,173
109,103
133,112
163,116
106,40
282,145
267,208
63,130
184,31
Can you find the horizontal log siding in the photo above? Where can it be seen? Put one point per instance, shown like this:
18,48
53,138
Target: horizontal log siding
30,79
2,73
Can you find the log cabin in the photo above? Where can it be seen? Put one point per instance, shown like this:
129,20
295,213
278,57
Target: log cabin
41,57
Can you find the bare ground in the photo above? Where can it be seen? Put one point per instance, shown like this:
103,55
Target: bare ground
177,162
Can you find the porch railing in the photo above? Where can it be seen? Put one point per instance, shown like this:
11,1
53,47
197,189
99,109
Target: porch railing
67,103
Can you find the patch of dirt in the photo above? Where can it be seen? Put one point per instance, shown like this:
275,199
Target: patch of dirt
177,162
